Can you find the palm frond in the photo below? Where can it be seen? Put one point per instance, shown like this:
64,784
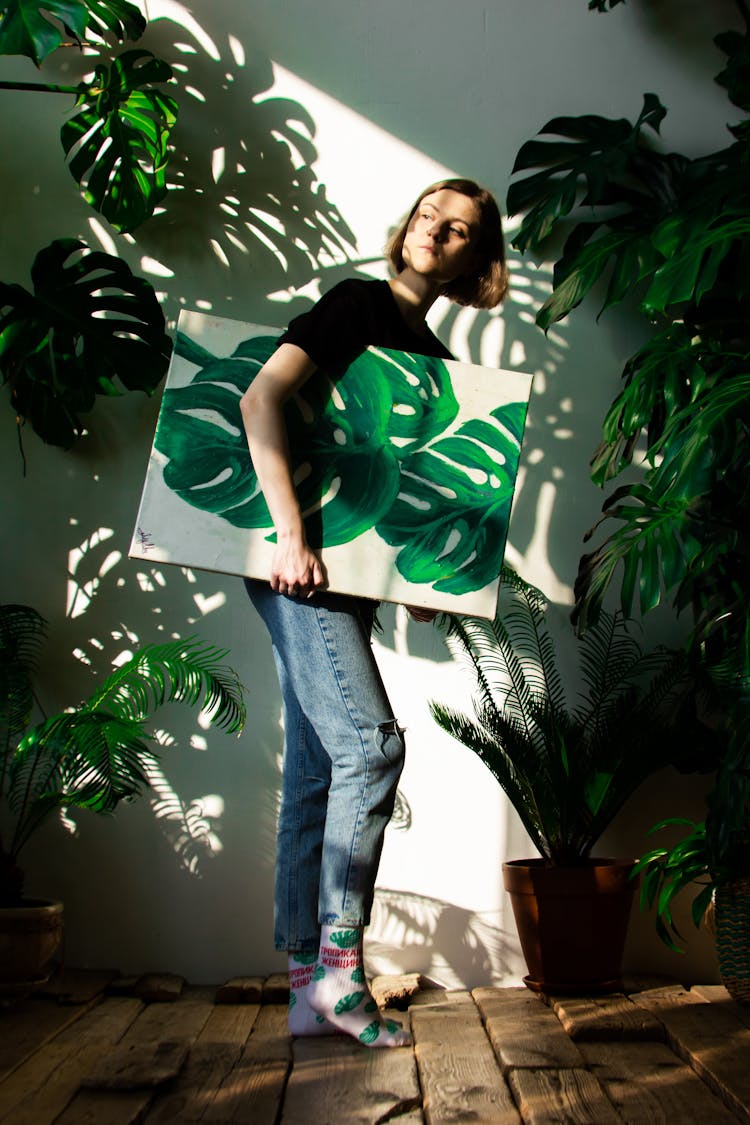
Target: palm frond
79,759
497,753
185,671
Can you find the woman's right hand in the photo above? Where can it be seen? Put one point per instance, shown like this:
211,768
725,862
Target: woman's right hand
296,569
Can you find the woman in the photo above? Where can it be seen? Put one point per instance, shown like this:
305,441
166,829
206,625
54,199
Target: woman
344,750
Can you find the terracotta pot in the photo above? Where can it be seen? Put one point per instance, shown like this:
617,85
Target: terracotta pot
572,922
30,935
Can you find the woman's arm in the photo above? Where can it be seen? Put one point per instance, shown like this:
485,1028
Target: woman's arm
295,569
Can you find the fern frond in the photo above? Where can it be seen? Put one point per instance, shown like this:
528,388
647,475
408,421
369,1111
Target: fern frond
498,754
184,671
80,759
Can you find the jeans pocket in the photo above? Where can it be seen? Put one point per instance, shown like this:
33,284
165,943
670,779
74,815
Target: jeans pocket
391,741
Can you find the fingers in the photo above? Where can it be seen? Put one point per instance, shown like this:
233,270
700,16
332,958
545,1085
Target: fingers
419,613
297,575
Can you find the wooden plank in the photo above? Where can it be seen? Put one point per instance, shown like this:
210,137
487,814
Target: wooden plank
523,1030
717,994
460,1078
276,989
215,1052
336,1079
78,986
647,1082
40,1088
395,990
156,1024
549,1096
253,1090
240,990
712,1038
159,987
600,1018
27,1026
139,1066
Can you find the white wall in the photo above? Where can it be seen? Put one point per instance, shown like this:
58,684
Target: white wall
380,99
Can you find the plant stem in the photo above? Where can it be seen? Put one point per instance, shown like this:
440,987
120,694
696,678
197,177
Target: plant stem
39,86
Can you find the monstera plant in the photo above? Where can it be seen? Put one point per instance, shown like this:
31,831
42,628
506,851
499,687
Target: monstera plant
374,447
89,327
673,233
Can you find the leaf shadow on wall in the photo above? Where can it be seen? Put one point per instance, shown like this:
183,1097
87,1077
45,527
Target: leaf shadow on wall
456,947
244,214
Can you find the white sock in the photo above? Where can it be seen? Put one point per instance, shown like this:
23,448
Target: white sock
338,991
302,1019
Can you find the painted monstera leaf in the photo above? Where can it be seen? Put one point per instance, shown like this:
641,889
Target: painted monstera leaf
346,436
451,515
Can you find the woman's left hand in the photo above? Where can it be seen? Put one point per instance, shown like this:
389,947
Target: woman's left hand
419,613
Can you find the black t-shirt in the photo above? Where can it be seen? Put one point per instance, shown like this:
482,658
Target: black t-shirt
350,317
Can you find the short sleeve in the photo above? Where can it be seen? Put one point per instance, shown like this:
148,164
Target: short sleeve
333,332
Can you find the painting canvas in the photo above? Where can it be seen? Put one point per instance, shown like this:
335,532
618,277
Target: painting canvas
404,465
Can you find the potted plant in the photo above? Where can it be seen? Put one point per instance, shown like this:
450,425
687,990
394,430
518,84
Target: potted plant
567,769
89,757
712,859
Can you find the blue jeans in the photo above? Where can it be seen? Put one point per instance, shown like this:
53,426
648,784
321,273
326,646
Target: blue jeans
343,756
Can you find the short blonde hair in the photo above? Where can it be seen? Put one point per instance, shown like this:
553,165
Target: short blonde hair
487,283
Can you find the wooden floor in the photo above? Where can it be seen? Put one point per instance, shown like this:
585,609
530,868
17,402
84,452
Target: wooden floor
97,1050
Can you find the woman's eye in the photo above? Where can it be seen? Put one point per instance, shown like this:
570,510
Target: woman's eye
457,230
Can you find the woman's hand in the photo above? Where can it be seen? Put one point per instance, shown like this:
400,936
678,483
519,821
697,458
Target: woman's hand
296,569
419,613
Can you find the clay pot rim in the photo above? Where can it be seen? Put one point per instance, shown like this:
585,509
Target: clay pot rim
32,906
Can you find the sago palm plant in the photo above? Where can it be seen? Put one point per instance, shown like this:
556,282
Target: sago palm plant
97,753
566,767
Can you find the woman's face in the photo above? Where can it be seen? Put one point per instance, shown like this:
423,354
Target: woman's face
442,235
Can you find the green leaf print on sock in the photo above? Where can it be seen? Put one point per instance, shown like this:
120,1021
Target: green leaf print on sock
392,1026
371,1032
292,999
348,1003
319,973
345,939
304,958
358,976
320,1019
371,1006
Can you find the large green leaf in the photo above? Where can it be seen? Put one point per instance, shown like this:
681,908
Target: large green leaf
656,542
451,514
582,168
422,396
116,141
735,77
629,253
694,247
89,327
662,378
35,28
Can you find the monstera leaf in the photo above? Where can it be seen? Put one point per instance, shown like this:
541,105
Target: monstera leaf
452,510
423,399
592,163
89,325
35,28
116,141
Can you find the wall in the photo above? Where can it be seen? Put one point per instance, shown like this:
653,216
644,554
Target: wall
322,122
